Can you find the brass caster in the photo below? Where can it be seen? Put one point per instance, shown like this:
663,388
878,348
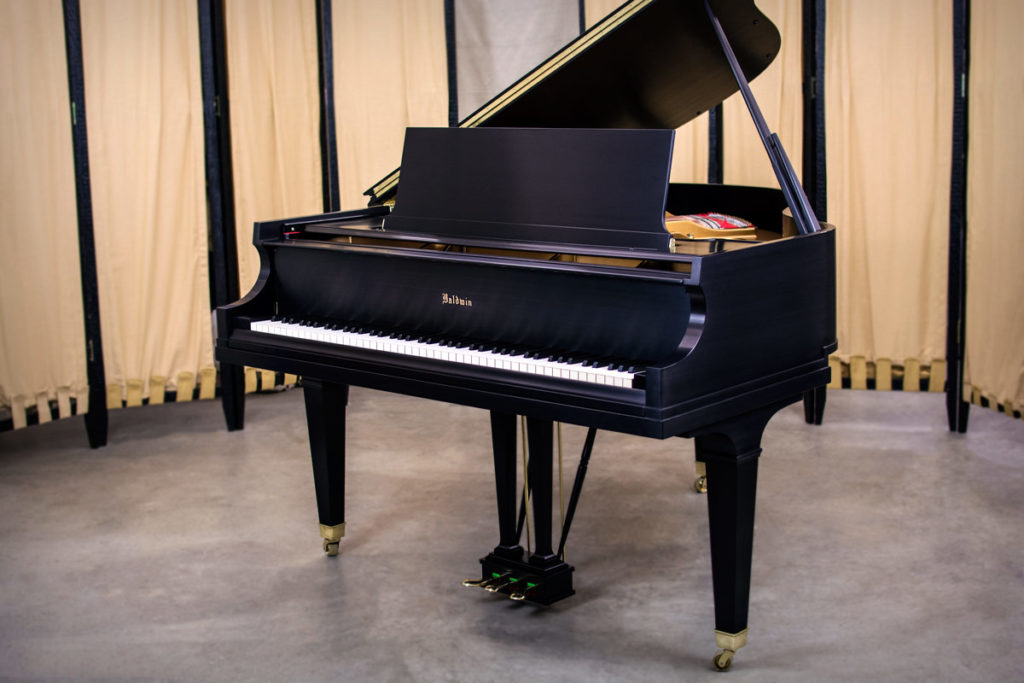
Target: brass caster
700,485
729,643
332,535
723,660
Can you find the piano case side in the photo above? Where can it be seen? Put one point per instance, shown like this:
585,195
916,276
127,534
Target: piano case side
769,317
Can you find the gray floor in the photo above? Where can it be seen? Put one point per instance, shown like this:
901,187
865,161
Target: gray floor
886,549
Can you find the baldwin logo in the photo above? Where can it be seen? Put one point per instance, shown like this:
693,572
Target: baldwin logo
453,300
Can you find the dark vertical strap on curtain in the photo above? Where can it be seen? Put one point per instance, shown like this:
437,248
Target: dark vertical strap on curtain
814,180
956,406
96,416
813,54
328,133
453,80
220,197
716,163
217,143
583,16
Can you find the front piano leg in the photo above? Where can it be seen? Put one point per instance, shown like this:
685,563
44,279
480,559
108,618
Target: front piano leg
730,451
232,392
325,416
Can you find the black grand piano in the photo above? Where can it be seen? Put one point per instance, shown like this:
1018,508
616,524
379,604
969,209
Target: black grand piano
524,267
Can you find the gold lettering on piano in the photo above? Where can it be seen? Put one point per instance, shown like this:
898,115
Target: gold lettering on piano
454,300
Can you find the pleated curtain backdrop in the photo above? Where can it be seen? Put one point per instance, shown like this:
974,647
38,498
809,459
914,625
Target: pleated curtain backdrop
42,340
390,71
275,117
145,125
889,104
995,241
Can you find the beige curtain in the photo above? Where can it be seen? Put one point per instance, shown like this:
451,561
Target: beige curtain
889,125
390,71
145,123
42,340
778,90
690,152
275,117
995,204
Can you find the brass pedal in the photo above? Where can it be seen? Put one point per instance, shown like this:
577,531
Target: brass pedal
487,581
497,585
529,589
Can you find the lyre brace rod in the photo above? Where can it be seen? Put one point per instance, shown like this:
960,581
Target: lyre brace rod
577,487
796,198
522,516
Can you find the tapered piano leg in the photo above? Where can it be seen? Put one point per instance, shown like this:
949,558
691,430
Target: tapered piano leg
325,417
814,405
232,394
730,452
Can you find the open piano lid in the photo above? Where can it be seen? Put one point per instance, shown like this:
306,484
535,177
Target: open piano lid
648,64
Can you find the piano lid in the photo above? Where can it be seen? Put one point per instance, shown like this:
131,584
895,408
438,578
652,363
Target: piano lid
648,64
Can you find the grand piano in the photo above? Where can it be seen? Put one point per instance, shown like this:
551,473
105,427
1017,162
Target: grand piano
524,266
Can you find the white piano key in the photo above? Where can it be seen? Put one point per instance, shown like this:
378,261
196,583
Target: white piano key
514,362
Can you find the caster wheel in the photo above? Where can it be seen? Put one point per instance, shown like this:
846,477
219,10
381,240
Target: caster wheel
701,484
723,660
331,548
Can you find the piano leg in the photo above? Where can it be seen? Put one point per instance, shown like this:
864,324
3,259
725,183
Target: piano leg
325,417
730,451
814,406
232,394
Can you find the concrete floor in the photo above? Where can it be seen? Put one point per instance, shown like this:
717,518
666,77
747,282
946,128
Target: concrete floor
886,549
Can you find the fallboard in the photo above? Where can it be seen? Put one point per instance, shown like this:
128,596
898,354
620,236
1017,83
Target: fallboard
641,315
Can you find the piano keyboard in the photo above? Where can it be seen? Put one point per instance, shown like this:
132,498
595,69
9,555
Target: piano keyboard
594,371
